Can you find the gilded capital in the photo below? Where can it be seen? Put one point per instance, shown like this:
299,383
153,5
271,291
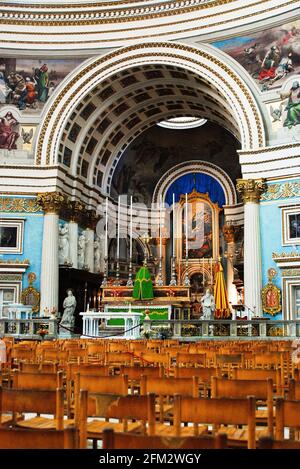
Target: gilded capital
92,219
51,202
76,210
251,190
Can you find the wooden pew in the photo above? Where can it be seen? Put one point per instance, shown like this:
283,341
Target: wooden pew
269,443
287,415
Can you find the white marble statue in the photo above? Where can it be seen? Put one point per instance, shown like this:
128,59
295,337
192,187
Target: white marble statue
81,251
63,244
97,254
208,305
68,318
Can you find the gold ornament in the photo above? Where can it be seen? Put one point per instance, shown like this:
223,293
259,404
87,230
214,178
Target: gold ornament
51,202
251,190
271,295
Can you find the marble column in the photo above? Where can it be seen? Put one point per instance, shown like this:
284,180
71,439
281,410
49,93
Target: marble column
251,191
75,210
51,203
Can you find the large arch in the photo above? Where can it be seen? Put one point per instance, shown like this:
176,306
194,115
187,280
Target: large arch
214,90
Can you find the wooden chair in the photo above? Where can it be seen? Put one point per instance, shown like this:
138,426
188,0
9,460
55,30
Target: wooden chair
154,359
269,443
237,388
294,390
135,414
164,389
112,440
21,401
287,415
233,412
21,438
204,376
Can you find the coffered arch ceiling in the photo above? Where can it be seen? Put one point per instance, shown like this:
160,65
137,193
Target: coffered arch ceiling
118,110
91,121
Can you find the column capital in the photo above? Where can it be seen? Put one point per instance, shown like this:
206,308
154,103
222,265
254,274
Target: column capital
231,232
92,218
76,210
51,202
251,189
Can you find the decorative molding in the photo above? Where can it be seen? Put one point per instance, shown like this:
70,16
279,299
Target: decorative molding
11,277
19,205
290,272
251,190
285,255
15,261
281,191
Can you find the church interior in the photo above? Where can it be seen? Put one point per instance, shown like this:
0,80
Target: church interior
149,224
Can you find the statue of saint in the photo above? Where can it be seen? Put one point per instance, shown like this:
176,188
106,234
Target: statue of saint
208,305
81,251
69,305
63,244
97,254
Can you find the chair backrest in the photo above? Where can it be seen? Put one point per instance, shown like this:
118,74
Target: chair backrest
47,381
154,359
269,443
102,384
170,386
204,374
37,401
112,440
136,372
118,358
21,438
216,411
86,369
38,367
190,359
287,415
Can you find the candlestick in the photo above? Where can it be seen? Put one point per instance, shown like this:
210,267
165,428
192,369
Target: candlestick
186,226
173,199
131,230
160,227
106,228
130,281
118,227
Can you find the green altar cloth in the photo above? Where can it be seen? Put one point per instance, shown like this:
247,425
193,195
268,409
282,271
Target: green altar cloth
143,286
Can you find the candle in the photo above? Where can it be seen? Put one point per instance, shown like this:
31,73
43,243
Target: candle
118,235
106,228
203,272
173,225
211,270
160,227
130,235
186,227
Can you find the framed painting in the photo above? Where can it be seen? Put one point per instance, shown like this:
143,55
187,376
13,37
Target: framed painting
11,236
